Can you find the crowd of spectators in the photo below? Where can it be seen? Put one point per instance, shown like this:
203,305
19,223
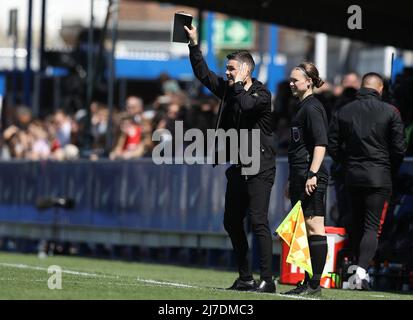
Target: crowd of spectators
121,134
127,133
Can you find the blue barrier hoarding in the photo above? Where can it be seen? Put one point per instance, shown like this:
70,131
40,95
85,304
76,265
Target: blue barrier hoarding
133,194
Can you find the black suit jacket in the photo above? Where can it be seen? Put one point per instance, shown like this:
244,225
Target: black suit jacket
240,109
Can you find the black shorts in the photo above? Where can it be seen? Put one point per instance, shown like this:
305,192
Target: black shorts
313,205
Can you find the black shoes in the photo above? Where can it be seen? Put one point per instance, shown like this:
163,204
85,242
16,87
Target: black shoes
265,287
253,286
241,285
304,289
311,291
300,288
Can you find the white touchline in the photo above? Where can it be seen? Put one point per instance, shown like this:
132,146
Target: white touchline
163,283
295,297
78,273
148,281
168,283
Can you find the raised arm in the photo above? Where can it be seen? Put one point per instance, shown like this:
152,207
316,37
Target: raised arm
208,78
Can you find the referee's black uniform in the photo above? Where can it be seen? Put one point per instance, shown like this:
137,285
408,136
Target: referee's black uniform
242,109
367,137
308,130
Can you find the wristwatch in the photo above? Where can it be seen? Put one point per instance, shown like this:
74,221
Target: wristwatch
311,174
240,82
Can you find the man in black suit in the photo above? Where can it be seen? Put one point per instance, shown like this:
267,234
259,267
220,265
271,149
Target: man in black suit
245,104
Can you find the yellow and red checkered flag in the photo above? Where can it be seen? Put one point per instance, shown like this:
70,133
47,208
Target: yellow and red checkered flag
293,231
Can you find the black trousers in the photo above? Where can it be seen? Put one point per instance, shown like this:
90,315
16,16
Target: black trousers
250,197
369,208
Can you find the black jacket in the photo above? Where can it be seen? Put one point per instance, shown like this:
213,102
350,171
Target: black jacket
240,109
367,137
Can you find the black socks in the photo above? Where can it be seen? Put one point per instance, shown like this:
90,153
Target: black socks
318,253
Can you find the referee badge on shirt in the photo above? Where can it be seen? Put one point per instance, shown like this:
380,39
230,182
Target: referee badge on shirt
295,133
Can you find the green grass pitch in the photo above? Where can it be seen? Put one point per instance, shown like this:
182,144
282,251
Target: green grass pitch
25,276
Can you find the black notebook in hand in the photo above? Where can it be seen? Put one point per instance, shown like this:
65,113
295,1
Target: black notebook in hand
179,34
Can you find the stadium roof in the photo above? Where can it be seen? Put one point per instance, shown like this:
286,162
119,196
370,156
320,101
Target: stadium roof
383,22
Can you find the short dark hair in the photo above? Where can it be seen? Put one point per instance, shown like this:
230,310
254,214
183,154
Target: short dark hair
243,56
368,76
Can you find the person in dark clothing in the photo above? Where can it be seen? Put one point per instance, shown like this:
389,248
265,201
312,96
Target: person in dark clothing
336,170
245,104
367,137
308,175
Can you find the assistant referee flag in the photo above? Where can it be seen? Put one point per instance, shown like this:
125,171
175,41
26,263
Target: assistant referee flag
294,232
